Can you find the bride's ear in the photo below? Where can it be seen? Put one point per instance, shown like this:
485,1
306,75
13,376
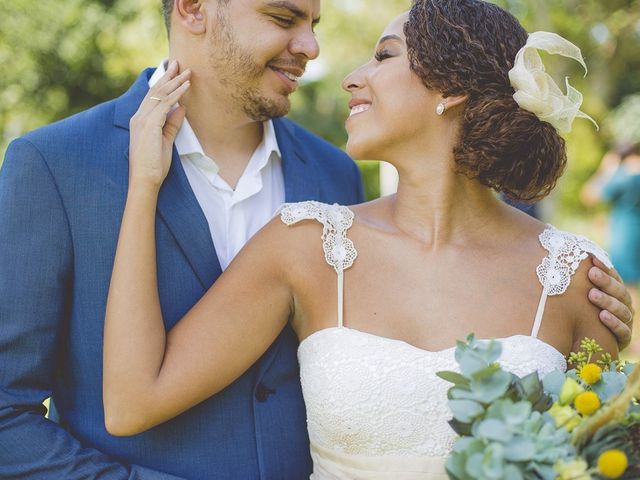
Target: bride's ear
191,15
454,100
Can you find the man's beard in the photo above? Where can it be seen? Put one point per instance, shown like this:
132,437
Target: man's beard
240,74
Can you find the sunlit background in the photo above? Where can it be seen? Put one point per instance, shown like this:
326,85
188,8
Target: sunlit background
61,57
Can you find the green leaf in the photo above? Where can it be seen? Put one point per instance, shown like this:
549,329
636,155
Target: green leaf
545,472
468,445
470,363
485,372
493,464
553,382
460,393
474,464
461,428
516,413
532,385
454,377
455,467
628,368
611,384
493,429
519,449
465,410
512,472
491,388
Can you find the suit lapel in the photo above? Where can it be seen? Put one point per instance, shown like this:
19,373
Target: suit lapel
300,178
177,204
180,210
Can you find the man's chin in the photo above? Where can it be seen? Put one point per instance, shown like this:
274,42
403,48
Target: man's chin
267,108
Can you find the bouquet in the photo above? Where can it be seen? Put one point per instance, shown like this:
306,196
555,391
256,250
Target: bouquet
577,425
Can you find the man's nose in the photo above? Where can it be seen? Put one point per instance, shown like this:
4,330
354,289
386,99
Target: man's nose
305,43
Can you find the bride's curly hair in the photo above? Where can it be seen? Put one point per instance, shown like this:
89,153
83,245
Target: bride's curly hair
468,47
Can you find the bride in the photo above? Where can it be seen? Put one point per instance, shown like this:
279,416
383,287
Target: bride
377,293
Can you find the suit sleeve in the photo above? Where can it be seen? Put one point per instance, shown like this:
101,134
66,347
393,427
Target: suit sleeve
35,286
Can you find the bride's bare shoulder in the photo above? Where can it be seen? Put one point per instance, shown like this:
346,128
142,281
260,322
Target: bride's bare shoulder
295,233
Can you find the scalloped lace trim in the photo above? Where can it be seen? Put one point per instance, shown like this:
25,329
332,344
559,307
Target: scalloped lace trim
339,251
566,251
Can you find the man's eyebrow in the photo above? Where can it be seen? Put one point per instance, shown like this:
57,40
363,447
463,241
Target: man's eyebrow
294,9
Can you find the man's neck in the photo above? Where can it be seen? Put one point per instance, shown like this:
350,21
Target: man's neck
227,136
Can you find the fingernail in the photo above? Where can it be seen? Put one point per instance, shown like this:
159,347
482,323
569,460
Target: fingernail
596,295
173,64
606,317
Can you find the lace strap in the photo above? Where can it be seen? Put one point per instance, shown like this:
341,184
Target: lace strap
339,251
566,252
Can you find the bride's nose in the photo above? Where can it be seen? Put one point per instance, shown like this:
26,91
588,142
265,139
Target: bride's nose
355,80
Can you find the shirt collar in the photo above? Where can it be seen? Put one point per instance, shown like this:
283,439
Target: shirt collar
187,143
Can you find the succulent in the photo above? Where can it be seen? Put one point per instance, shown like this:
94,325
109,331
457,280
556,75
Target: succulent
519,428
504,432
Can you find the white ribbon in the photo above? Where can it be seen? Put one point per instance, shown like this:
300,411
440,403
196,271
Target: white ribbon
537,92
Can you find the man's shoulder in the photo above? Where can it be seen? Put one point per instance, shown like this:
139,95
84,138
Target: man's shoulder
92,121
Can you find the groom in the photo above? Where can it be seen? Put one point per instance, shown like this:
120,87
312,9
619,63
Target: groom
62,192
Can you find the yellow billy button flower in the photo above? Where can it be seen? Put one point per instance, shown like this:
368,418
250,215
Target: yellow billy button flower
590,373
570,390
587,403
612,463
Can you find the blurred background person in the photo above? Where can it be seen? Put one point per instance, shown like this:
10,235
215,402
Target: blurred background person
617,182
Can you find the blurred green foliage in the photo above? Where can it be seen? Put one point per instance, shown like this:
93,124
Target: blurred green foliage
63,57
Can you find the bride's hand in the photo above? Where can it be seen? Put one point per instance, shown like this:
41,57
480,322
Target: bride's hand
154,128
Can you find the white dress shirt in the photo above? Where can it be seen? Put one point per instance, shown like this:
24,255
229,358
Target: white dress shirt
234,216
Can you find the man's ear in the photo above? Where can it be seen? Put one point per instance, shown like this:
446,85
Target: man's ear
191,15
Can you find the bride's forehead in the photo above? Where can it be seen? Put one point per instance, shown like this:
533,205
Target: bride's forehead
396,26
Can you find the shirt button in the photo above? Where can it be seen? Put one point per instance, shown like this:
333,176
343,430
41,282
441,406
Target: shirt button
262,393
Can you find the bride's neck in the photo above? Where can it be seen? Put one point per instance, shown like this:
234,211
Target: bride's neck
437,206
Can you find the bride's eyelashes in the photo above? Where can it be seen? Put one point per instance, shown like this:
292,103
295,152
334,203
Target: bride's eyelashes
382,54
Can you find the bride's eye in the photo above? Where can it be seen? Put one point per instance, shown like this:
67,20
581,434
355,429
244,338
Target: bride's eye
382,54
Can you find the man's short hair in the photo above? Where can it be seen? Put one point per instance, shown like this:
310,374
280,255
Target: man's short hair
167,8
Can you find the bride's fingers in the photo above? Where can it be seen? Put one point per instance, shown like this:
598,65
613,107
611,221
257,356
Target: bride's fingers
158,91
170,86
158,116
174,121
165,94
172,71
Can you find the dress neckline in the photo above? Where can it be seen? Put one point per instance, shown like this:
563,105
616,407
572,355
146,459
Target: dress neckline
325,330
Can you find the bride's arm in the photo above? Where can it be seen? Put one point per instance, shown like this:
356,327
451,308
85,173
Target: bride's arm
150,376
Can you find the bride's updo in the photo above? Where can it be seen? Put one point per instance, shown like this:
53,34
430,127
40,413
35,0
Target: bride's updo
468,47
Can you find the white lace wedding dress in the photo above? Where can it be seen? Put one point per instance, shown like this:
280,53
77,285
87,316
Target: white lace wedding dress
375,407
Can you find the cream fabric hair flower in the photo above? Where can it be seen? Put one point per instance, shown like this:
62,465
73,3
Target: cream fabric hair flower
537,92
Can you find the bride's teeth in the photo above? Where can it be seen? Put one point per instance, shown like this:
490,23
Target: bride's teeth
363,107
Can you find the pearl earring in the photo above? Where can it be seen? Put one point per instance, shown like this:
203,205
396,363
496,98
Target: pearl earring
441,108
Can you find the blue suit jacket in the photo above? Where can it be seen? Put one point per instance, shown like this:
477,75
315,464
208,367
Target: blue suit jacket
62,194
